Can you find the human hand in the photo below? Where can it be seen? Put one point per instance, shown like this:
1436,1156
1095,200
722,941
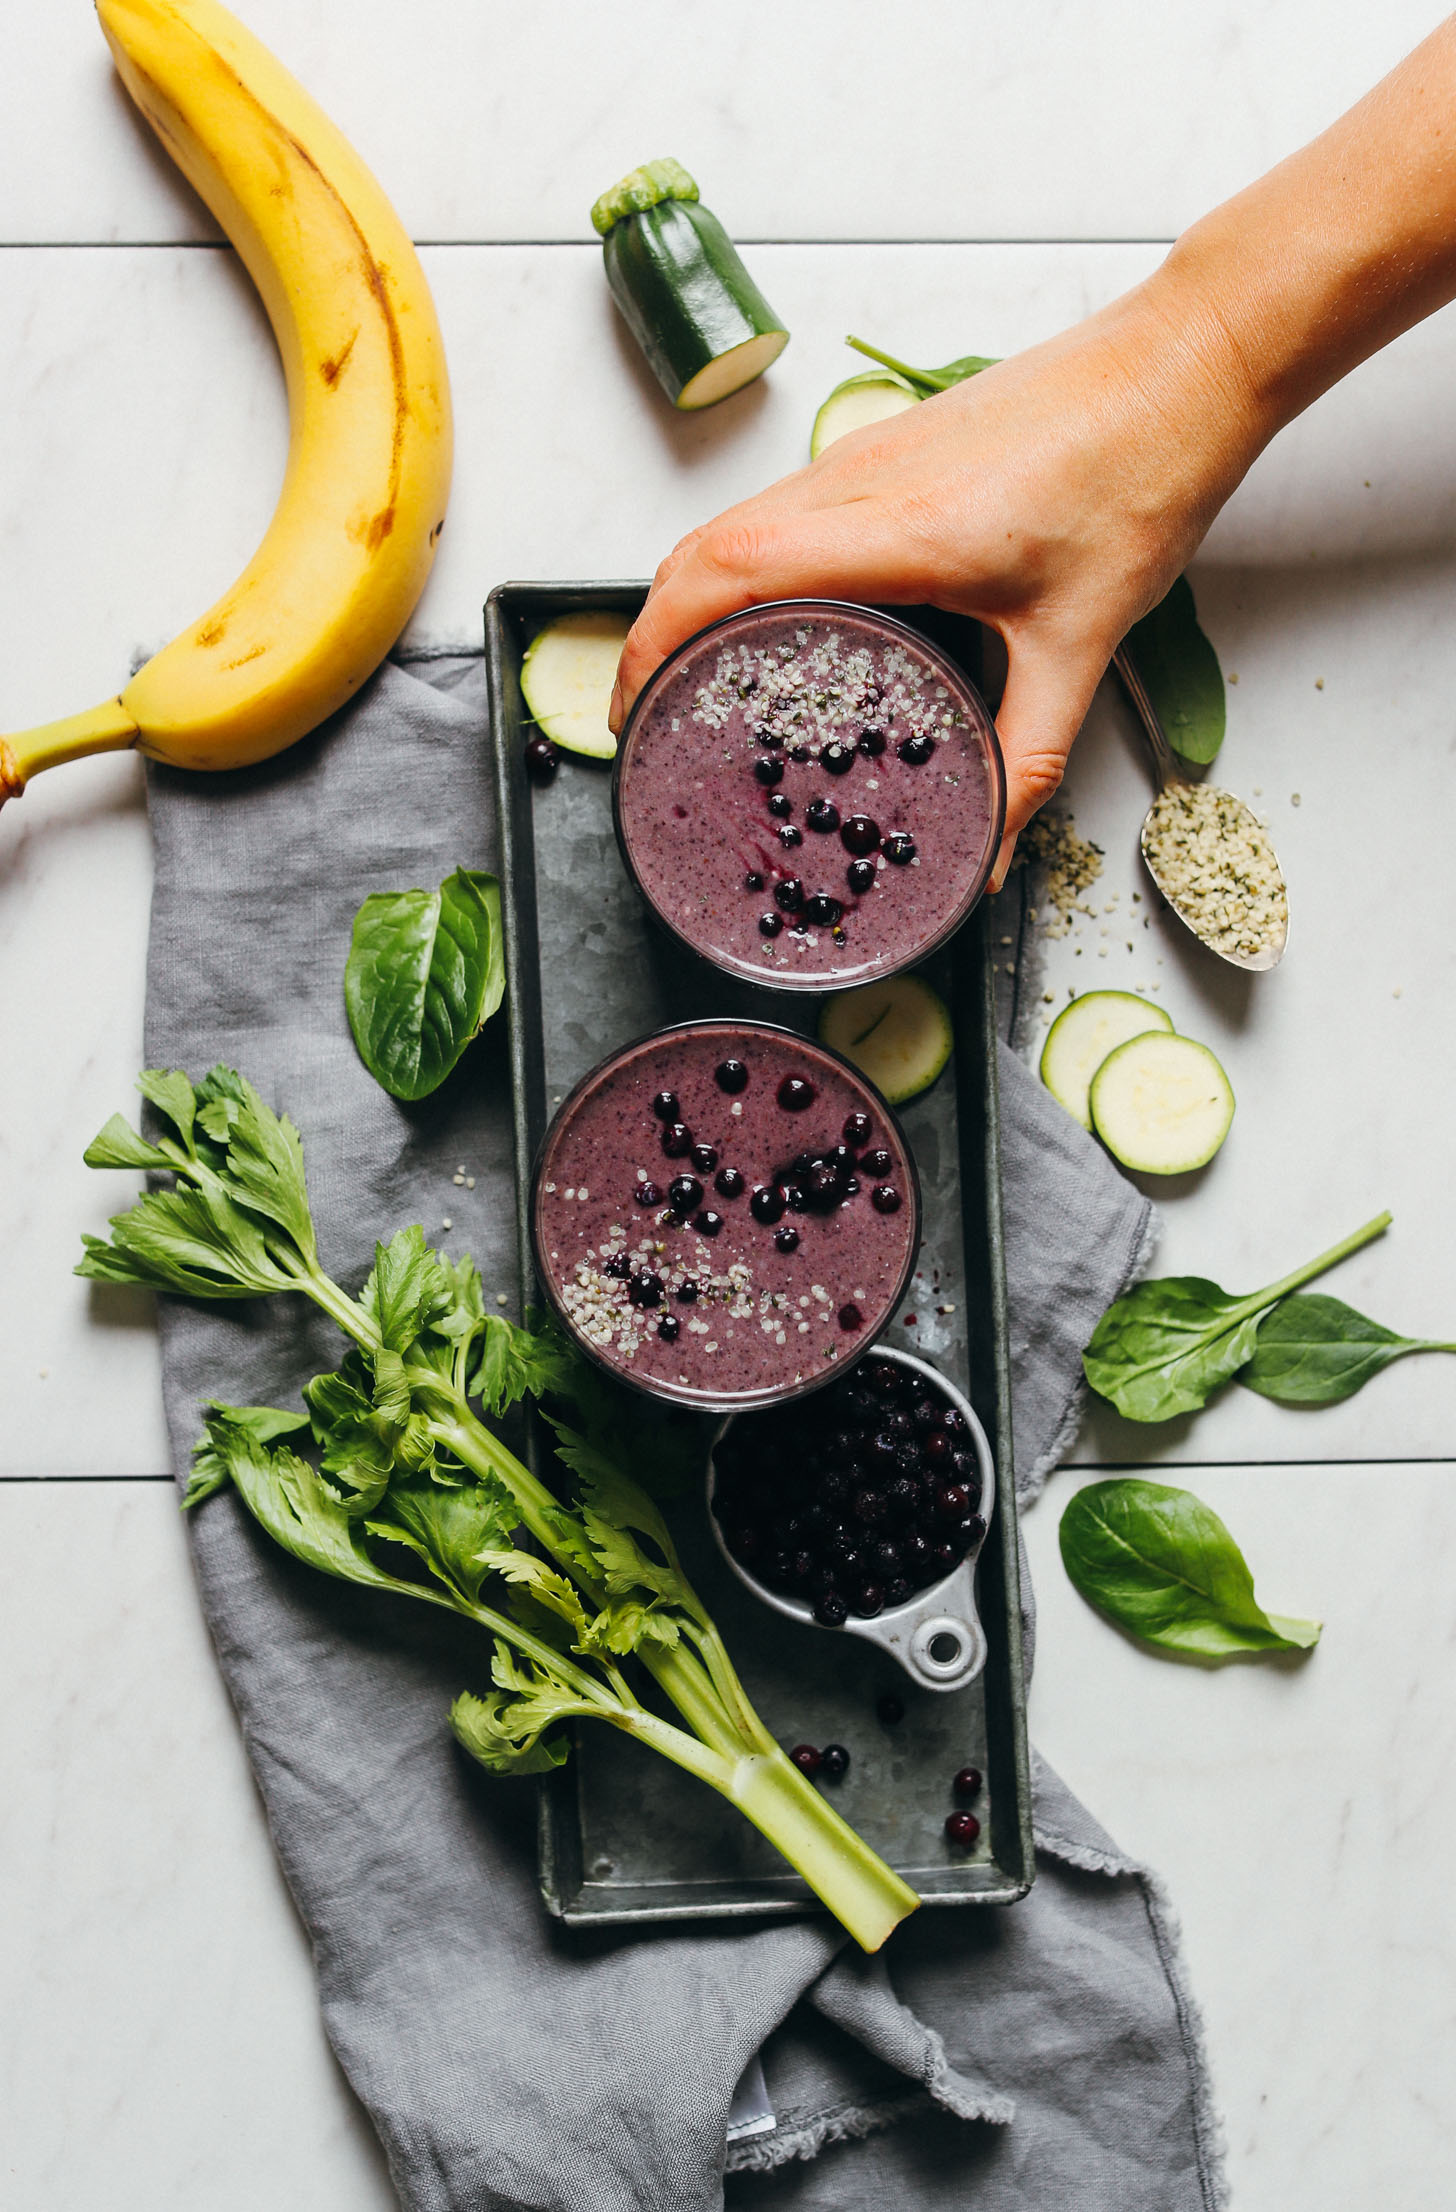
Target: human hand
1054,497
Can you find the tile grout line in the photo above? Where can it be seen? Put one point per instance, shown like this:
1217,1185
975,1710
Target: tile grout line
223,245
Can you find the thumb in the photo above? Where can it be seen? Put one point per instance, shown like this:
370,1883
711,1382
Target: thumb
1043,707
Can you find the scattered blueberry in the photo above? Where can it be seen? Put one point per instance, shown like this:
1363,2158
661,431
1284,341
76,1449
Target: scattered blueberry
619,1267
871,742
968,1782
789,836
898,848
787,1239
767,1204
542,759
860,835
885,1198
705,1158
860,876
822,815
822,910
668,1327
780,804
769,770
686,1292
665,1106
753,881
850,1317
962,1828
647,1194
789,894
683,1193
834,1762
796,1092
916,751
891,1709
770,924
836,759
798,754
731,1076
677,1139
707,1223
728,1183
805,1758
878,1163
645,1289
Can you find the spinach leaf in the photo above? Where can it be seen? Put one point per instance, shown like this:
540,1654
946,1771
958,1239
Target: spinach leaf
1169,1344
1314,1351
426,970
928,382
1179,667
1162,1565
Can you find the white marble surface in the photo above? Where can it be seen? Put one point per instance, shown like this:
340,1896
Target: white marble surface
164,2048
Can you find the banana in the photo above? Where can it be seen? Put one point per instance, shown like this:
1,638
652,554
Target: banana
351,541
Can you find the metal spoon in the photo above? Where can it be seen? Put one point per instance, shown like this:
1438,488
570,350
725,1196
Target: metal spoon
1169,772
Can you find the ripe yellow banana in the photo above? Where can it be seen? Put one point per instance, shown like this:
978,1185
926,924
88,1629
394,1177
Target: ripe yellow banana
363,500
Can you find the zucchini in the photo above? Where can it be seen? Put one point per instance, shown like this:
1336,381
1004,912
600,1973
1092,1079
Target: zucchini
1081,1037
896,1032
1161,1104
685,295
858,401
567,678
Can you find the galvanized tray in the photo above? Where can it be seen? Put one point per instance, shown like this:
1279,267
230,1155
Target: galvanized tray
624,1837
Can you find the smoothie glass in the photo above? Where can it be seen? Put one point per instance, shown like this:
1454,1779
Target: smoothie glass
724,1214
810,795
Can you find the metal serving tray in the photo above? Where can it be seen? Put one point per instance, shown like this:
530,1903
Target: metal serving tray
624,1836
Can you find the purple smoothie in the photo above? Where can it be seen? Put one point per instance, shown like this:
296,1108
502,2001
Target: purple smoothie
810,795
725,1214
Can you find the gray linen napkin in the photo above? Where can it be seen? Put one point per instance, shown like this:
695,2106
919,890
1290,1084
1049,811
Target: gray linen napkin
1045,2056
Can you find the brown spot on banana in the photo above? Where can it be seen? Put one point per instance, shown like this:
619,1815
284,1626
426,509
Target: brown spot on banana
334,368
244,658
12,782
212,633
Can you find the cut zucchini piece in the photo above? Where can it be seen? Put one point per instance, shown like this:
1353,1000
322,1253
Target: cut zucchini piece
897,1033
1081,1037
687,299
1161,1104
567,678
858,401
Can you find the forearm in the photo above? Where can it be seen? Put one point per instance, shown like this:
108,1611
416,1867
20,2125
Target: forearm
1351,241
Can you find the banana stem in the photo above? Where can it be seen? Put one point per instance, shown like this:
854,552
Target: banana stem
104,729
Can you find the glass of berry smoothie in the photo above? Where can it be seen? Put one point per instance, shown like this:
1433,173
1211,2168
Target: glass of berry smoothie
725,1214
810,794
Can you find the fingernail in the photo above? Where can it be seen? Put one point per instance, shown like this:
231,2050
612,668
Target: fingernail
614,711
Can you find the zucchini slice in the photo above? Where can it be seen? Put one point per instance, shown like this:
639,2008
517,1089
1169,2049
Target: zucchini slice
687,299
567,677
859,400
896,1032
1081,1037
1161,1104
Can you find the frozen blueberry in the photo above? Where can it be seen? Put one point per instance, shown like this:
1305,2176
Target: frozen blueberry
822,815
787,1239
830,1610
789,836
647,1194
795,1093
916,751
878,1163
770,923
789,894
767,1204
665,1106
872,741
967,1782
731,1076
952,1501
619,1267
834,1762
769,770
805,1758
822,910
859,835
707,1223
728,1183
780,804
857,1131
542,759
686,1292
962,1828
885,1199
898,848
860,876
836,759
850,1317
753,881
668,1327
898,1592
677,1140
645,1289
683,1193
